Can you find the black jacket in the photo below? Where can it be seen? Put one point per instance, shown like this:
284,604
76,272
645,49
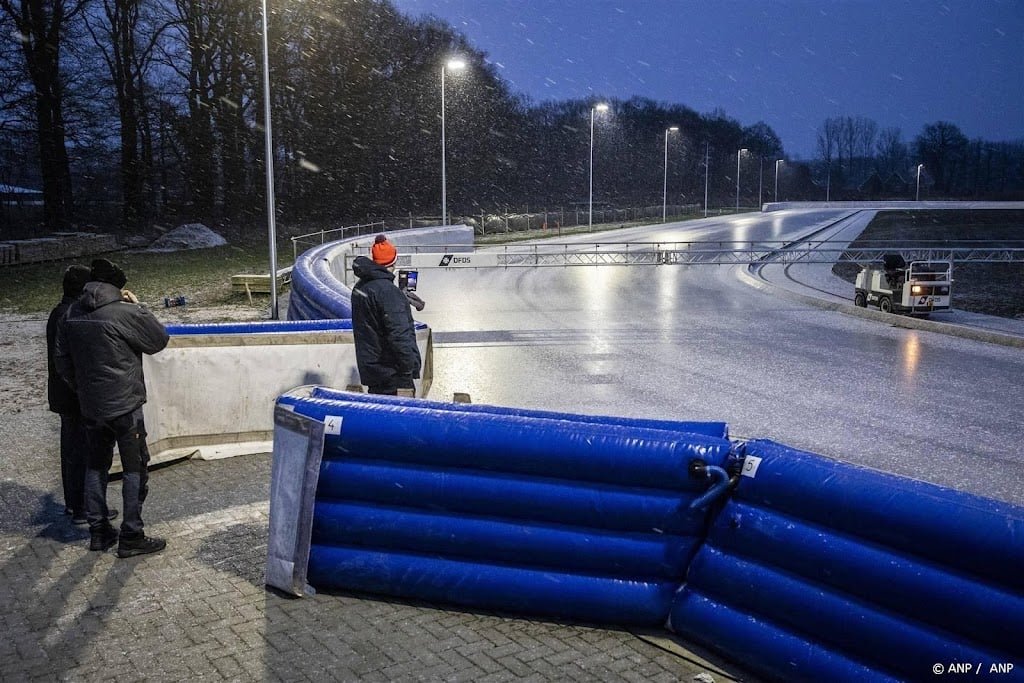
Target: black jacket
382,326
62,398
99,349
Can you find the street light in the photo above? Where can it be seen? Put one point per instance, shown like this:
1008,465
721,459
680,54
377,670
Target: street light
919,167
760,182
738,153
777,162
452,64
707,163
664,189
268,141
595,108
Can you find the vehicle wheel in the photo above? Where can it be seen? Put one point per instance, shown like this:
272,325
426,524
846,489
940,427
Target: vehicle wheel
885,304
860,300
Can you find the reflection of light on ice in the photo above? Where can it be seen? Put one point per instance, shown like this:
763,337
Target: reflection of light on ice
911,356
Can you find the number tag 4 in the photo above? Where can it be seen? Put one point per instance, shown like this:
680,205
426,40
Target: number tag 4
332,425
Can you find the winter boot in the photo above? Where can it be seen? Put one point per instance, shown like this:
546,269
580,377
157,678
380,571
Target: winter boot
139,545
102,538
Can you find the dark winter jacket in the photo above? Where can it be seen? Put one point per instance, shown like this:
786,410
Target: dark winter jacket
62,398
99,351
382,325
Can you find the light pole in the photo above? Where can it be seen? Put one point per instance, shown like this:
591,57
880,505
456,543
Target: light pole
738,153
593,110
452,64
664,188
707,162
919,167
268,141
777,162
760,182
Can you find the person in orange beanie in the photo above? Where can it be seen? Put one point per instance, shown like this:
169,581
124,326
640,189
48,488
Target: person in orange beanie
387,356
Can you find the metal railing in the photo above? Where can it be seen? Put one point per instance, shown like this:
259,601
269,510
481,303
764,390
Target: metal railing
739,253
323,236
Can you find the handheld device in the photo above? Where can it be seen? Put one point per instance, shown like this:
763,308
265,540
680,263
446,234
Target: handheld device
407,279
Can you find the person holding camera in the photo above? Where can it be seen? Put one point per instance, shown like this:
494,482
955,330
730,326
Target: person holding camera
98,352
387,356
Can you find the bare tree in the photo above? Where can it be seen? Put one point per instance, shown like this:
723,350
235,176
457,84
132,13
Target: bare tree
40,25
890,153
941,147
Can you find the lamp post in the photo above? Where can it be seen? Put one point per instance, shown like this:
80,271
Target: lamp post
707,162
760,182
738,153
268,141
919,167
664,188
593,110
452,64
777,162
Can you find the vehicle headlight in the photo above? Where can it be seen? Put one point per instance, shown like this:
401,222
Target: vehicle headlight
917,289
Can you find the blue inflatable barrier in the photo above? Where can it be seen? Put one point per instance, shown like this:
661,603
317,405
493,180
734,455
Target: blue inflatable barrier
268,326
890,573
560,517
719,429
492,586
316,292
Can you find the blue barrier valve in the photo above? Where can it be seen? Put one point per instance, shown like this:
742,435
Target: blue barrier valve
699,469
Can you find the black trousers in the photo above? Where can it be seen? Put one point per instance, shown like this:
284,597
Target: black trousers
74,455
391,386
128,431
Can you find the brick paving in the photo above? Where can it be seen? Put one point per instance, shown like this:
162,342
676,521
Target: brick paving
200,610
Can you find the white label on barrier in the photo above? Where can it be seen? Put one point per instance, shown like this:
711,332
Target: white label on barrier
332,425
750,465
465,259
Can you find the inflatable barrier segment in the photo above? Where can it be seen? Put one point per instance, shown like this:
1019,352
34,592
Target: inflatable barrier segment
503,510
318,288
835,571
719,429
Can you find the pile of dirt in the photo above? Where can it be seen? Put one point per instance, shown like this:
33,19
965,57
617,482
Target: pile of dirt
188,236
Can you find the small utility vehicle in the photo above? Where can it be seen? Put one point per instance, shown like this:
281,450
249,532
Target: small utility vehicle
896,287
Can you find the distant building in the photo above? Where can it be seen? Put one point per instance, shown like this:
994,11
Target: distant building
11,195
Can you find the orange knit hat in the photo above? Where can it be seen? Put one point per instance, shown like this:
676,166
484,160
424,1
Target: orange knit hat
383,252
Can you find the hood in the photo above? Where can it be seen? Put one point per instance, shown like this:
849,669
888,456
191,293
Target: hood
365,269
98,294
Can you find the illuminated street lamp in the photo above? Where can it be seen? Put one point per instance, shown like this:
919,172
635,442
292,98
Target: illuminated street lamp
595,108
452,64
664,189
777,162
738,153
919,167
268,141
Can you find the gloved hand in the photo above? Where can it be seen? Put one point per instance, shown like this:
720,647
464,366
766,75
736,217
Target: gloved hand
414,300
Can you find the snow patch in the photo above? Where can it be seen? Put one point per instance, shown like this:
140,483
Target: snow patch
189,236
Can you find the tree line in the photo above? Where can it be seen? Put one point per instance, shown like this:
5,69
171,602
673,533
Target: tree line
145,113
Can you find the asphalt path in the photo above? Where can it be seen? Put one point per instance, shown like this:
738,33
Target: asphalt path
698,343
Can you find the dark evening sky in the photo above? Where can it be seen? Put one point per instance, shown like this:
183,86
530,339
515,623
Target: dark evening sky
789,63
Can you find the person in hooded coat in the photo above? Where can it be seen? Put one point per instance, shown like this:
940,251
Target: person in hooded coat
387,356
98,352
64,402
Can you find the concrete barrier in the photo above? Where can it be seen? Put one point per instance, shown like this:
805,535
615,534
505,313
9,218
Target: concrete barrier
211,392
